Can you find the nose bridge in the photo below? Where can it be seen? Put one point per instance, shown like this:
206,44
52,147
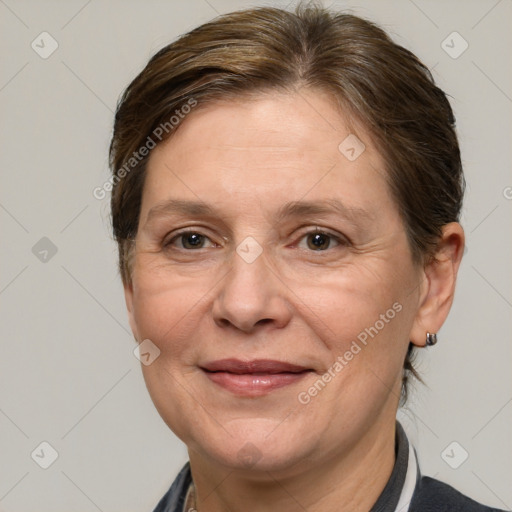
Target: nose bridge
251,294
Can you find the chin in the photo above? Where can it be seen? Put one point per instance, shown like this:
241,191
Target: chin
256,445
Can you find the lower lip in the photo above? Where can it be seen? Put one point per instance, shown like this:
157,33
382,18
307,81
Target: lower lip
252,384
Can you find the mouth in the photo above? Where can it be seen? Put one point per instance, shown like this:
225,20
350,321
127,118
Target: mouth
253,378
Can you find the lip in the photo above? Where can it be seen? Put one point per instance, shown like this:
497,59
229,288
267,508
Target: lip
253,378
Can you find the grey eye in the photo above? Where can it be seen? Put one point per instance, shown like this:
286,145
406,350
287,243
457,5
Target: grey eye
192,240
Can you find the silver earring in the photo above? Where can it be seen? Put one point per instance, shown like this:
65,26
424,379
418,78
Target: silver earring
431,339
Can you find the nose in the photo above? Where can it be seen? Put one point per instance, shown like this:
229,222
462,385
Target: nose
251,296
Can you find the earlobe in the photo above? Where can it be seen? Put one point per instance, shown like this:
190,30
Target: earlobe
128,296
440,276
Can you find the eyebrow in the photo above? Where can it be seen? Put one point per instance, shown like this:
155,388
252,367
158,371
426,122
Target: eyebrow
323,207
180,207
288,210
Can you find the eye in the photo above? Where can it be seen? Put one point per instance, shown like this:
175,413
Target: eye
189,240
319,241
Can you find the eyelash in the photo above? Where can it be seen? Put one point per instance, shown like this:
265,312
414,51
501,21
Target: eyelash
340,240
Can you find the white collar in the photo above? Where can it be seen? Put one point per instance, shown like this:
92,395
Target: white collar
410,482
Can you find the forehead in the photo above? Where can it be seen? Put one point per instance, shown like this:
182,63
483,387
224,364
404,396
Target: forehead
266,149
269,122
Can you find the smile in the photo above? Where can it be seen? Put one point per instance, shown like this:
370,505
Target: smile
253,378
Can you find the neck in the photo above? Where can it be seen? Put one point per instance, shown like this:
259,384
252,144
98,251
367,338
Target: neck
351,481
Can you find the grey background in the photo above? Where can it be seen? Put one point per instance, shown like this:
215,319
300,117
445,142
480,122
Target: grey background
67,372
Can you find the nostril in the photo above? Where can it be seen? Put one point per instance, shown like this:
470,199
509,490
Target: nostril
264,321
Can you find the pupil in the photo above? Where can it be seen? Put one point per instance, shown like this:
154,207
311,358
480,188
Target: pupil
319,241
193,240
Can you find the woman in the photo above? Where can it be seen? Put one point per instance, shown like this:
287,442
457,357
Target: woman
287,189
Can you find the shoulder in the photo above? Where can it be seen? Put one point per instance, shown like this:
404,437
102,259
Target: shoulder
432,495
174,498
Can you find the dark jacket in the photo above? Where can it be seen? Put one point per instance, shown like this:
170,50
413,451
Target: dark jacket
429,495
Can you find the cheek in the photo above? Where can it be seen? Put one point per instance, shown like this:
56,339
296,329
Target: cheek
167,309
166,305
363,315
344,303
363,374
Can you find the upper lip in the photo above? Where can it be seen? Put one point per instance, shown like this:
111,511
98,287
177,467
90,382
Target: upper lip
254,366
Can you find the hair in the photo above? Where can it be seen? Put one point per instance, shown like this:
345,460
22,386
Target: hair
377,82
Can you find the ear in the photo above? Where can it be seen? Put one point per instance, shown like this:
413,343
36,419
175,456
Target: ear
439,277
128,297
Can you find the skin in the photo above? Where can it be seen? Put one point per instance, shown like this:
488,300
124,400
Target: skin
294,303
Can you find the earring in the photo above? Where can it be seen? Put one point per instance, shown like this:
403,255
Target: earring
431,339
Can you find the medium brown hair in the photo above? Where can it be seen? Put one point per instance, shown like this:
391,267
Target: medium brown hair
376,81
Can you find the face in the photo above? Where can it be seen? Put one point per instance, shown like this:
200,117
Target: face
273,273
